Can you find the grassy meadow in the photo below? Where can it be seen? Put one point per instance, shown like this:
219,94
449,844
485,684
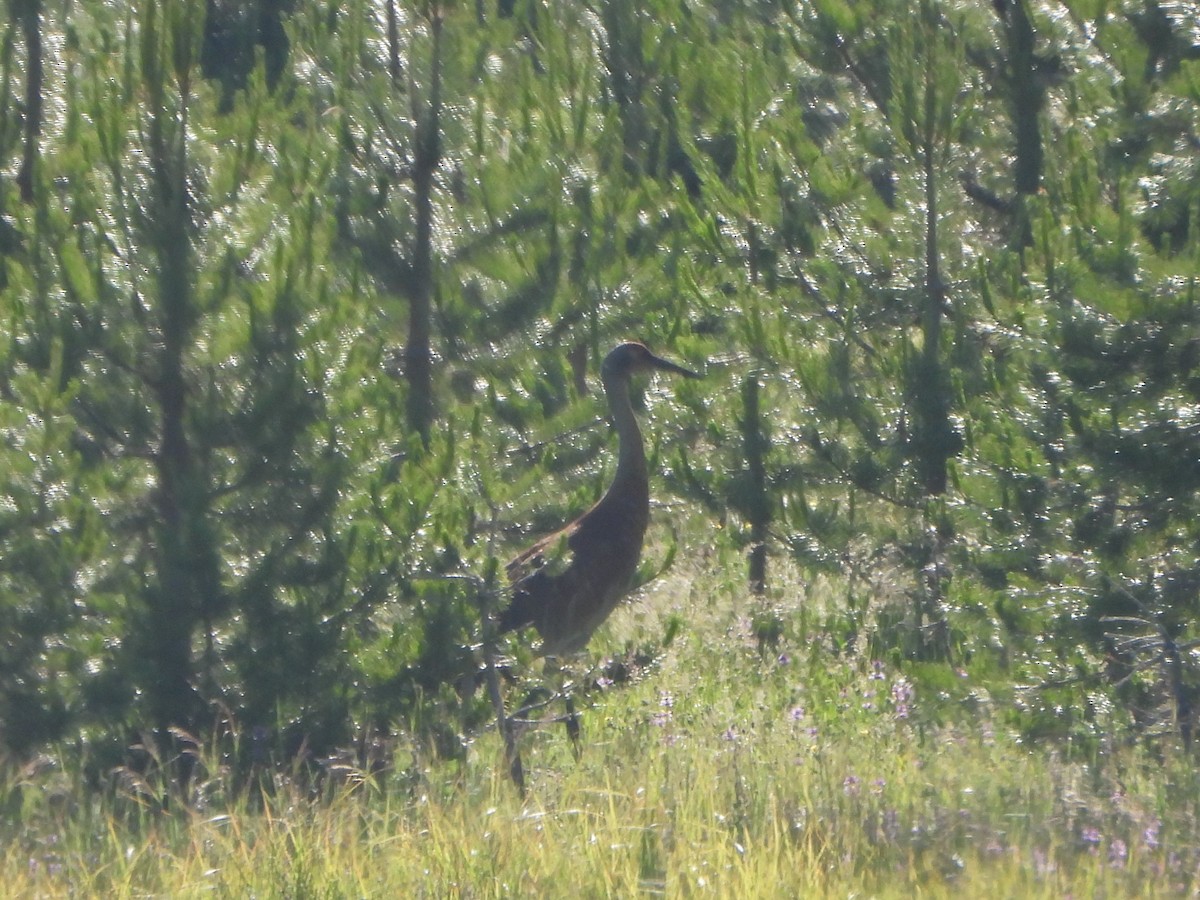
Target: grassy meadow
723,769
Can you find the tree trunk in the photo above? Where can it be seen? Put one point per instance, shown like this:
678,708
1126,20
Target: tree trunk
935,437
418,355
187,572
758,505
1027,96
29,14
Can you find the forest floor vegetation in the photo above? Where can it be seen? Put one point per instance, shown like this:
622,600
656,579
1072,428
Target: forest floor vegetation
726,768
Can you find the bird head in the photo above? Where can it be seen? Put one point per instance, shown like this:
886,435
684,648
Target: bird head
626,359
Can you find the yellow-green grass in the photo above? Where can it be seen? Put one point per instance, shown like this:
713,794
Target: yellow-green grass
721,772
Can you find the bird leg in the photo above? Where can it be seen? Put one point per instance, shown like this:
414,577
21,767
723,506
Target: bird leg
512,752
554,667
573,729
504,722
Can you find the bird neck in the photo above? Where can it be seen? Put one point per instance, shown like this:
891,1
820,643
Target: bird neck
631,455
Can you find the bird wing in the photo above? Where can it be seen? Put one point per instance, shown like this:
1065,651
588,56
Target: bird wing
554,550
599,533
567,583
535,574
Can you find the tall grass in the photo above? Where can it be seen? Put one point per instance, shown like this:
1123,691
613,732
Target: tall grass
724,771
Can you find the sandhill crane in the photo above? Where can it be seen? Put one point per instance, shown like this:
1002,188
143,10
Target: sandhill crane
569,582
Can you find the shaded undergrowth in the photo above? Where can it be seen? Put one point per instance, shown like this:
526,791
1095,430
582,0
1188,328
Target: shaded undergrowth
722,770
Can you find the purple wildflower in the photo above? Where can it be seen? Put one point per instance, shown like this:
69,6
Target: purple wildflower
1117,854
851,785
1150,834
902,697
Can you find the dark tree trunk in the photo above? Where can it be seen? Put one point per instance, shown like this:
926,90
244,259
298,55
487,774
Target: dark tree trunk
758,506
29,14
1027,96
395,65
418,354
188,578
626,79
935,438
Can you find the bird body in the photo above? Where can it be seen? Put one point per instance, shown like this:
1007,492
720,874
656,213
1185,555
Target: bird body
568,583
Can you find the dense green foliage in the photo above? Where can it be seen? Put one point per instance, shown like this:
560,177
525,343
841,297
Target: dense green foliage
301,300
